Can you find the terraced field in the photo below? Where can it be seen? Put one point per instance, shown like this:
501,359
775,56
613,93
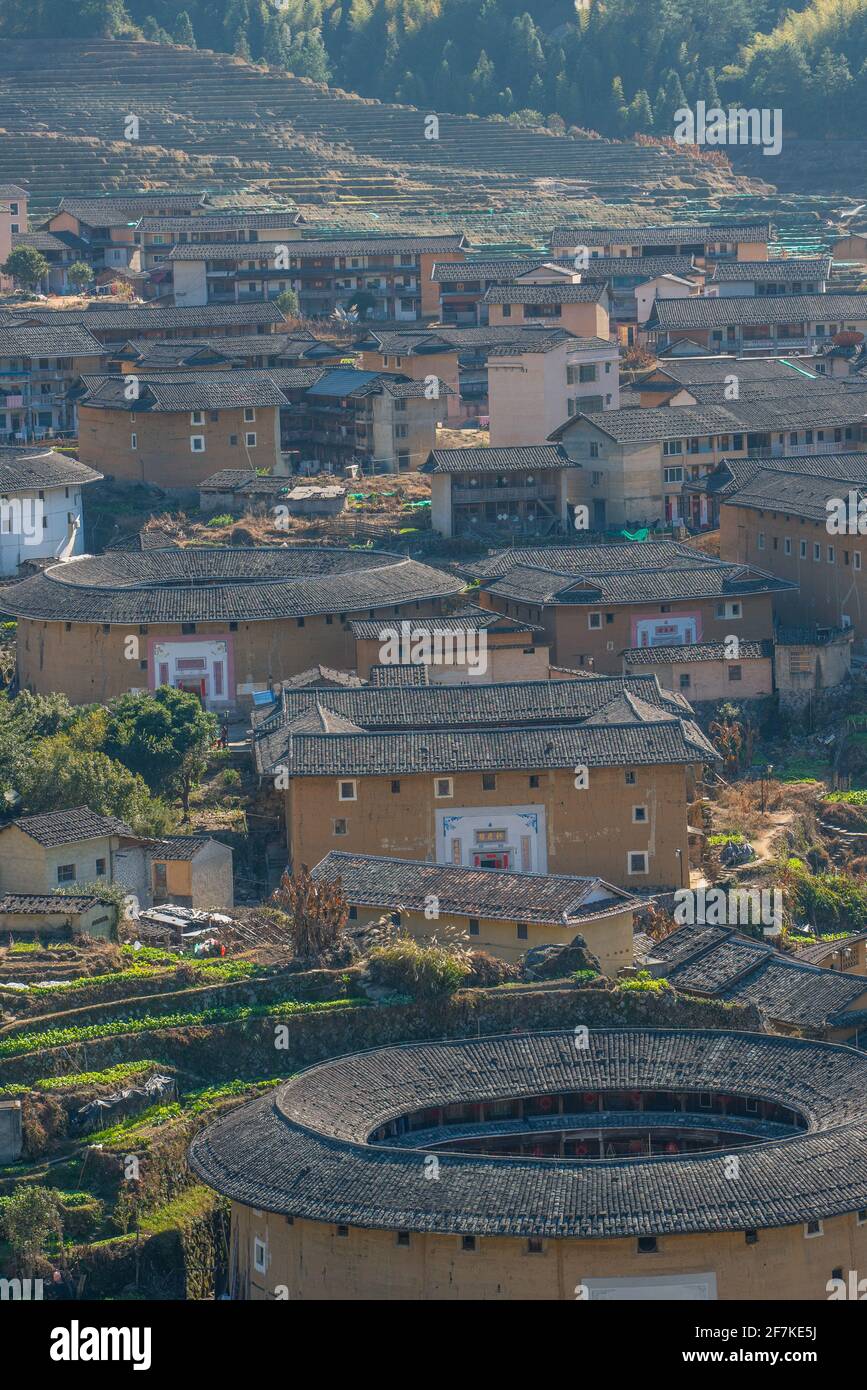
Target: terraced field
212,121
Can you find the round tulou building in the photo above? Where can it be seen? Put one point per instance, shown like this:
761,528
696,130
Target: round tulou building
223,622
624,1163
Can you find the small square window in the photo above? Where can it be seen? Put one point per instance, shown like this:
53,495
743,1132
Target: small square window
340,827
187,629
343,1230
862,1216
735,673
249,415
233,439
685,681
489,781
468,1243
831,555
535,780
637,861
197,417
751,1237
535,1246
100,868
443,787
402,1238
474,926
802,549
522,931
629,776
594,621
395,787
233,627
260,1255
856,559
639,815
353,914
813,1228
347,791
647,1245
250,439
66,873
197,443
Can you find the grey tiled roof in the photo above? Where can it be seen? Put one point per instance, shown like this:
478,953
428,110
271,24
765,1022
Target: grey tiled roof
696,311
540,586
515,458
544,294
49,904
791,493
321,677
703,651
765,272
360,246
635,741
700,371
95,211
25,467
468,619
503,268
40,241
180,847
185,391
304,1150
71,340
725,964
630,426
217,221
399,675
673,234
503,704
67,827
202,584
144,320
377,881
592,559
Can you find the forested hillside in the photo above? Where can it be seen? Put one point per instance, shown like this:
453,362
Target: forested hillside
619,67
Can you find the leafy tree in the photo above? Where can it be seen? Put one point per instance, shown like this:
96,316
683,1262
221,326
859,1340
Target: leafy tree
276,50
79,274
640,113
55,776
184,30
32,1220
27,267
287,303
163,738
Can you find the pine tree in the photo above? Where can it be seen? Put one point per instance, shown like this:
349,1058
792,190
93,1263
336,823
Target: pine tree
184,31
641,113
275,51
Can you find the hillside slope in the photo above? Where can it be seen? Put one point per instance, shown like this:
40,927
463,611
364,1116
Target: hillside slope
208,120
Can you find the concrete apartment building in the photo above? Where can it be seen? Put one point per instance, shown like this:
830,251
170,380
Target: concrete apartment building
706,244
532,388
38,367
635,462
394,272
527,488
580,309
792,275
41,506
116,325
597,601
178,429
13,222
781,324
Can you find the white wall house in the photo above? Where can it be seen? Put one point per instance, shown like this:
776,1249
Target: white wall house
533,391
41,511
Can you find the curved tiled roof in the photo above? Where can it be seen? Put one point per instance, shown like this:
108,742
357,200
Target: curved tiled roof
32,466
205,584
303,1149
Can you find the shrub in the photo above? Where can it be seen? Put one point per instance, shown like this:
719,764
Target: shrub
231,777
645,983
224,519
418,970
826,900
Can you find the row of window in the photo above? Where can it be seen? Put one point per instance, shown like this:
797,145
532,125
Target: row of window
197,441
536,1245
803,550
66,872
727,609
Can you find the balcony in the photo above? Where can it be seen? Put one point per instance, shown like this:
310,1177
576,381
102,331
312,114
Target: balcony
503,494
